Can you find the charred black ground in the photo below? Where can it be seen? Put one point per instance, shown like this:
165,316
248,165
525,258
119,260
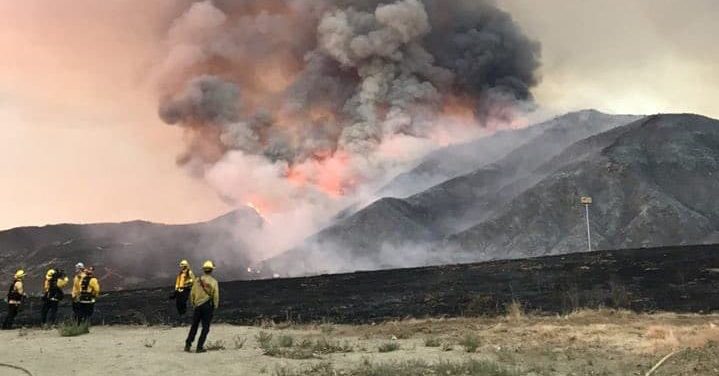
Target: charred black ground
679,279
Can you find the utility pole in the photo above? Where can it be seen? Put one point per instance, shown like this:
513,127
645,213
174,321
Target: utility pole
587,201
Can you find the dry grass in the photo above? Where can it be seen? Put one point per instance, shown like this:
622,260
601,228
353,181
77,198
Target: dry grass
515,311
585,342
406,368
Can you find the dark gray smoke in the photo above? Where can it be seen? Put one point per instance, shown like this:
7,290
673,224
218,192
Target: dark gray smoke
205,100
319,77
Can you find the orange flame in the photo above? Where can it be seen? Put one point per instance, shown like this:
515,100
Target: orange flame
329,172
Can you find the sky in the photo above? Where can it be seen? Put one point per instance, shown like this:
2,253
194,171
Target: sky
81,140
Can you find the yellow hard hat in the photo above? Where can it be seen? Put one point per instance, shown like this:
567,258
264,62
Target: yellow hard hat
19,273
184,263
50,273
208,265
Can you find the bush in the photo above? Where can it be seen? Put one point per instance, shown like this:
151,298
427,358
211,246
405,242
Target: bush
388,347
307,349
305,344
470,342
73,329
446,346
215,345
432,342
149,343
285,341
324,346
264,339
239,342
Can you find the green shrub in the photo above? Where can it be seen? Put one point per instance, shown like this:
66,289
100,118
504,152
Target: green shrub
325,346
264,339
432,342
239,341
470,342
285,341
73,329
388,347
307,349
215,345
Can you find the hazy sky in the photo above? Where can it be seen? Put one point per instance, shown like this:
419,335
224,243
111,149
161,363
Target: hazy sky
81,141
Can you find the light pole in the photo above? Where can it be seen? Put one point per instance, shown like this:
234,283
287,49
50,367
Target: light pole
586,201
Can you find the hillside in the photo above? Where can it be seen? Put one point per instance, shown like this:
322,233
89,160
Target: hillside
126,255
653,184
459,159
381,236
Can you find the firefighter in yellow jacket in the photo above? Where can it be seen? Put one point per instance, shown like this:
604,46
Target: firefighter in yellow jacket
76,281
15,296
55,281
205,298
89,290
183,286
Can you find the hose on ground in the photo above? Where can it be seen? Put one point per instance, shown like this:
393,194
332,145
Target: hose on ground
17,368
664,359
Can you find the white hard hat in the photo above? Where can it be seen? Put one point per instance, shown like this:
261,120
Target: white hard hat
79,265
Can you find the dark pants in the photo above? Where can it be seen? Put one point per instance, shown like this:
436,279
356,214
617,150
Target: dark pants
181,301
49,306
84,311
12,310
75,311
202,314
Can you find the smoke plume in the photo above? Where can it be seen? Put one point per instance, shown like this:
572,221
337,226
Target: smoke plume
295,105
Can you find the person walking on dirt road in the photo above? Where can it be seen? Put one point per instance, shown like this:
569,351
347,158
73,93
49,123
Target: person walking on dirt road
205,298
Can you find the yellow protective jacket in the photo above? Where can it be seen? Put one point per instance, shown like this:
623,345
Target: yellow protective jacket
204,289
89,290
184,280
76,285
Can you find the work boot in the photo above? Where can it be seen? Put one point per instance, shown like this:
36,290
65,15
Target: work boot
200,350
187,348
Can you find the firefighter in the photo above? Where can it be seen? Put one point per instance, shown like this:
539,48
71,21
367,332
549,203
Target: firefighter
55,281
205,298
89,291
76,282
183,286
15,295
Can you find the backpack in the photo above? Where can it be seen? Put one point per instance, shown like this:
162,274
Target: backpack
13,294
